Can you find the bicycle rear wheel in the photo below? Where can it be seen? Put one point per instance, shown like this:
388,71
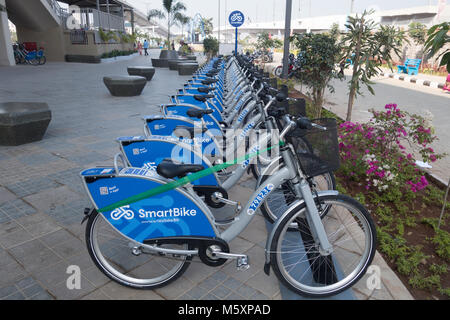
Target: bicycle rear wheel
297,261
113,254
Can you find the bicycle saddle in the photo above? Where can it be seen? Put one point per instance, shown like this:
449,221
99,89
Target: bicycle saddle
209,81
191,130
205,89
203,98
196,113
168,169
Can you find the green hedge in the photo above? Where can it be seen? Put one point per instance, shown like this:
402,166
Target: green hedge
117,53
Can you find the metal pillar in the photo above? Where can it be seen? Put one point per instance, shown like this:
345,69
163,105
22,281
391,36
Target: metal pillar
218,32
287,35
98,15
132,21
107,10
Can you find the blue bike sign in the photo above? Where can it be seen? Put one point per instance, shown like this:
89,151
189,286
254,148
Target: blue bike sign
236,19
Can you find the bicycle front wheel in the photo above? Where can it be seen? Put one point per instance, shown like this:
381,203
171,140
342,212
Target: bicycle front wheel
297,261
115,255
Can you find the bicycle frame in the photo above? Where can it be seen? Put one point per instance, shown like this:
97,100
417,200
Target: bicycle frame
287,173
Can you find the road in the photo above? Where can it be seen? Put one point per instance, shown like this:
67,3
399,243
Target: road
409,97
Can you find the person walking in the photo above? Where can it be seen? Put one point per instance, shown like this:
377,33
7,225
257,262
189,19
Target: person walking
140,48
146,47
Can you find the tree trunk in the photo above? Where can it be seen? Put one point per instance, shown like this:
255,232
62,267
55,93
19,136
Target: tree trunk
351,100
168,35
351,97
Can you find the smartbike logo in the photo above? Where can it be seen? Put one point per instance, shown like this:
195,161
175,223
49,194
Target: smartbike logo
127,213
122,212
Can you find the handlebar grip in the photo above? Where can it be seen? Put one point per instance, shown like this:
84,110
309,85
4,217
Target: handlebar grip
304,123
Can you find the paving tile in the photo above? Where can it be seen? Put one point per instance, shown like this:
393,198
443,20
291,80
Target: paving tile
96,295
246,291
15,296
42,296
232,283
16,238
48,200
6,291
95,276
25,283
61,292
260,296
6,196
68,248
34,255
118,292
268,285
33,290
176,288
236,297
16,209
10,226
219,276
29,187
197,292
54,274
37,158
209,284
210,297
221,292
197,272
11,273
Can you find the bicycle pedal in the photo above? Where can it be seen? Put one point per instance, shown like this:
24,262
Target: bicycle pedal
242,263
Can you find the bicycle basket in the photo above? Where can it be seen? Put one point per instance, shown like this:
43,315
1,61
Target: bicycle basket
317,150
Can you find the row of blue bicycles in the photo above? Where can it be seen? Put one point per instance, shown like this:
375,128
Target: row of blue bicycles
161,206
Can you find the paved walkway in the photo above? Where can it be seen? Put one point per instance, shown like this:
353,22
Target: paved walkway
42,200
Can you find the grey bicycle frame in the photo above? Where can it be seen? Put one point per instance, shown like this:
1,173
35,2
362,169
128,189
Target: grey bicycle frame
246,215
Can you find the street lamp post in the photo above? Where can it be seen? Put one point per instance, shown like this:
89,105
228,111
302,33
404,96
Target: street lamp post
287,35
218,32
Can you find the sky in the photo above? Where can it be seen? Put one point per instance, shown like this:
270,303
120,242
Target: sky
270,10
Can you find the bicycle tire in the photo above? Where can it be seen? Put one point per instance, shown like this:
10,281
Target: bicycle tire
329,289
106,268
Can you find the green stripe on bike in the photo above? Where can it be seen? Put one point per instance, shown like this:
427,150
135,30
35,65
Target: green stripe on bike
183,181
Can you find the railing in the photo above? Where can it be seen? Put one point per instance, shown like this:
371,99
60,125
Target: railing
92,19
78,37
60,12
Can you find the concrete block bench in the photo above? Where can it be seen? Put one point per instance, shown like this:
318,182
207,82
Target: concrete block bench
125,86
146,72
23,122
173,64
168,55
160,63
187,69
191,57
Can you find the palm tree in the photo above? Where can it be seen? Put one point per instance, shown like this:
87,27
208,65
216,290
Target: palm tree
173,13
184,21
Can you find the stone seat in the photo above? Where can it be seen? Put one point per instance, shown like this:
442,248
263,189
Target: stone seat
173,64
187,69
23,122
160,63
146,72
125,86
